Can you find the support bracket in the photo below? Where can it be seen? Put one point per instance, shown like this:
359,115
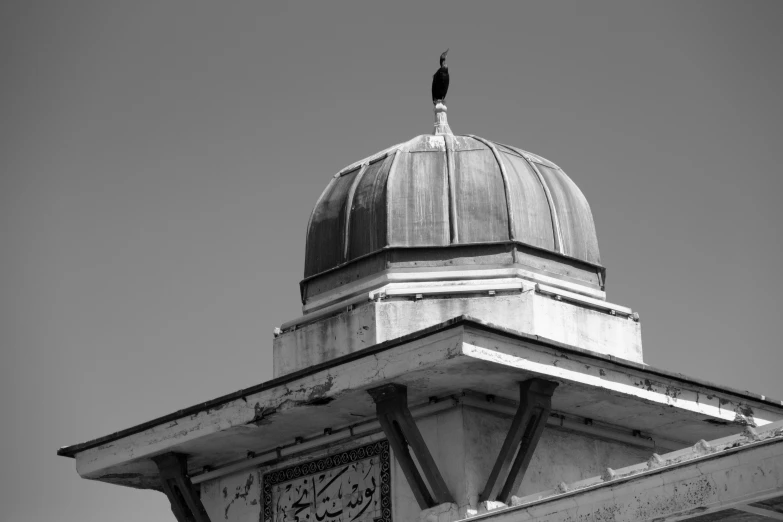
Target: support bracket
185,502
391,404
535,403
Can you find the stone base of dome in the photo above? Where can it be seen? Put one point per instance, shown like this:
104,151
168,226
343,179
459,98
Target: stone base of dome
453,262
403,308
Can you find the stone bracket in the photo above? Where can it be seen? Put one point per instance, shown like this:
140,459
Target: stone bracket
185,502
391,404
535,403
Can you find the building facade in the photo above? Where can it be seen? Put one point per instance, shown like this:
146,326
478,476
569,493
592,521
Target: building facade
457,358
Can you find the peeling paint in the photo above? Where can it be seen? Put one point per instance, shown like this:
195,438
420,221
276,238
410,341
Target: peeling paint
744,416
241,492
673,392
262,415
454,351
319,401
319,390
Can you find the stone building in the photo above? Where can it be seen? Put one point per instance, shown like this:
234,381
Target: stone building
457,358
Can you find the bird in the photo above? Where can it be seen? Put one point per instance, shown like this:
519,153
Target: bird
440,80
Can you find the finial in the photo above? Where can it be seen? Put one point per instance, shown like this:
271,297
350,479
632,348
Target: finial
441,122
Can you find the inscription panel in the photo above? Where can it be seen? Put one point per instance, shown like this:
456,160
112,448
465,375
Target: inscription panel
353,486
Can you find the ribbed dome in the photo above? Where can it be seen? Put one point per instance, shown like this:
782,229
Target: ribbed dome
442,191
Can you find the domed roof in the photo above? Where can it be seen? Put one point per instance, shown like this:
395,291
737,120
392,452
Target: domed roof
438,192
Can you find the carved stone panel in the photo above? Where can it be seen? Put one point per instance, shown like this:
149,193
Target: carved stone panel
353,486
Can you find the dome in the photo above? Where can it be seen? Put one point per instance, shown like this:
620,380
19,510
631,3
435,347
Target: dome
448,201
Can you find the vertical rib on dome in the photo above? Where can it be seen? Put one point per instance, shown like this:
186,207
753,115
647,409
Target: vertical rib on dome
481,205
416,191
533,221
571,214
326,234
348,210
574,216
504,175
367,227
452,213
553,211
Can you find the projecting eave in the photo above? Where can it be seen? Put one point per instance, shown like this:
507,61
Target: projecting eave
733,479
461,359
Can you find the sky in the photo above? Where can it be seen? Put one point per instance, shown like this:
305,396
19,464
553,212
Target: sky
159,161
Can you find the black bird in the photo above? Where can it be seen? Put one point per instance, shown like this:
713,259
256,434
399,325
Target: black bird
440,80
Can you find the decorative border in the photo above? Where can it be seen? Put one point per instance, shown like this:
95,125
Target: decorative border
380,448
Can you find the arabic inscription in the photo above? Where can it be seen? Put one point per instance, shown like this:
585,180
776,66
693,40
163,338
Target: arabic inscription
354,486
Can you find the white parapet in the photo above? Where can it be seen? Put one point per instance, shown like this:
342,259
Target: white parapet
399,309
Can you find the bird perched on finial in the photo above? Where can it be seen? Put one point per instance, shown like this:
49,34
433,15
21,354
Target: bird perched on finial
440,80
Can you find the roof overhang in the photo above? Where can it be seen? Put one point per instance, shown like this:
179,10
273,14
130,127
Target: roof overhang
734,479
462,353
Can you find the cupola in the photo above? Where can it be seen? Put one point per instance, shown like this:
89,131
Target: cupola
446,201
451,225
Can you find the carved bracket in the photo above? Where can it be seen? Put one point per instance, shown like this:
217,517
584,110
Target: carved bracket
391,404
535,403
185,502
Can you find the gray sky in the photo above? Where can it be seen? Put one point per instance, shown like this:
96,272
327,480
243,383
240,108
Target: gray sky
159,160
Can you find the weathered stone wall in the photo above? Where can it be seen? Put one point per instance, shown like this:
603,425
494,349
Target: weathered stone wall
464,442
561,455
526,312
235,497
